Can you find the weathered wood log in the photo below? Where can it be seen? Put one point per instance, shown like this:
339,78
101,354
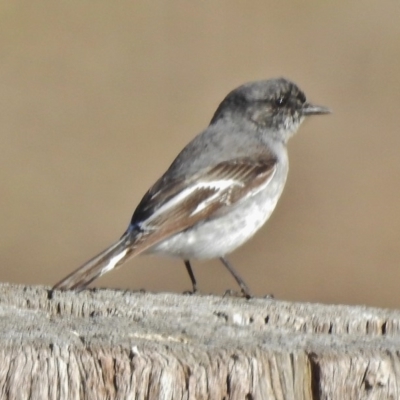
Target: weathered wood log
108,344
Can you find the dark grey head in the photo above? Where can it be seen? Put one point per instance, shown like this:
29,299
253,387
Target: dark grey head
275,105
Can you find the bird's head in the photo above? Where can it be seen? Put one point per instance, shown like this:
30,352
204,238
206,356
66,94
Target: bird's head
276,106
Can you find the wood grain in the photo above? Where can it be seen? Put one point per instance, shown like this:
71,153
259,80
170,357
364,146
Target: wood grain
108,344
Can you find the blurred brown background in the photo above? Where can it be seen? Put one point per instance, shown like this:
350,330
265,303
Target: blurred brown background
96,99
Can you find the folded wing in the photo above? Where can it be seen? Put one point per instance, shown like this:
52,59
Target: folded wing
167,209
179,205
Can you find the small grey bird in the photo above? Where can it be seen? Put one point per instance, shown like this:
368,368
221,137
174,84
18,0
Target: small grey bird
220,189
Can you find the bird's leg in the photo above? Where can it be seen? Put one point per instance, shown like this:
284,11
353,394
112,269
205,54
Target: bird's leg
191,275
238,279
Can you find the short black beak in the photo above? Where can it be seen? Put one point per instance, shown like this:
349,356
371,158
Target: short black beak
310,109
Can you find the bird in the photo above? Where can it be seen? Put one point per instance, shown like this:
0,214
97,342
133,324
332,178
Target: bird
220,189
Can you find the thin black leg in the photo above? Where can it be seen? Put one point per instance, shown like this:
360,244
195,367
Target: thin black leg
238,279
191,274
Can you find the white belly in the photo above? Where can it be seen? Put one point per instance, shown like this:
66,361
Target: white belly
220,236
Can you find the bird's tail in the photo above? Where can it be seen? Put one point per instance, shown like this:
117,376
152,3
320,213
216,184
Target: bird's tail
107,260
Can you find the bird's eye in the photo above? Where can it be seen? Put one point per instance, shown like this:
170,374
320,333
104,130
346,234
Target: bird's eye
281,100
301,97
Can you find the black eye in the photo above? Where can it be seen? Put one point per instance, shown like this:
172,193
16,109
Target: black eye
281,100
301,97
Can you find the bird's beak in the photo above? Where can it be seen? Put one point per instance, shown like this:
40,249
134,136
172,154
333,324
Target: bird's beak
310,109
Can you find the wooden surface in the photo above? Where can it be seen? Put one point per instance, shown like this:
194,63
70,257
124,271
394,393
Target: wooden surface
107,344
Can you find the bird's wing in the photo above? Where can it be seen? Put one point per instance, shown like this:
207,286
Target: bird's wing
171,208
